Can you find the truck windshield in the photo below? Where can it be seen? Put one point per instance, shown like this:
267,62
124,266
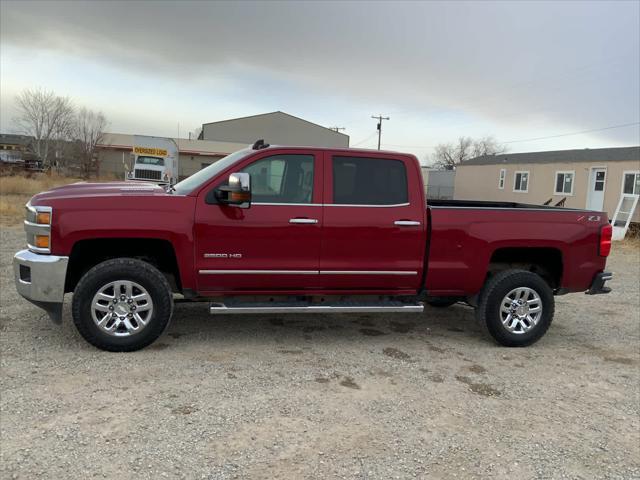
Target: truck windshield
189,184
155,161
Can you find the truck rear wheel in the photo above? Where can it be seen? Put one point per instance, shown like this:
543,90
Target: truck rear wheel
122,305
516,308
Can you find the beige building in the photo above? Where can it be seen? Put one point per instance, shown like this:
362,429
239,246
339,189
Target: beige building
276,128
114,153
590,178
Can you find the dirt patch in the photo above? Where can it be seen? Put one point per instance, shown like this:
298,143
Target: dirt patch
290,352
483,389
158,346
184,410
621,360
435,378
312,328
371,332
401,327
477,369
395,353
322,380
176,335
349,383
433,348
365,322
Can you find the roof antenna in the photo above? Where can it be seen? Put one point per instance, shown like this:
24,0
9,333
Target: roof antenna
259,145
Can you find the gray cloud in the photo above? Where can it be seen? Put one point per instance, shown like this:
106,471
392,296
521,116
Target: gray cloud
572,64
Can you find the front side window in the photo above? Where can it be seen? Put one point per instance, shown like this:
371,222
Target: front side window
631,183
196,180
564,183
282,179
521,182
369,181
503,174
155,161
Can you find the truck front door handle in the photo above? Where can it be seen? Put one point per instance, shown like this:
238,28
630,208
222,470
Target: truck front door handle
406,223
303,220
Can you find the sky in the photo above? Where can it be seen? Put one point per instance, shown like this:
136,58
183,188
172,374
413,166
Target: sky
531,74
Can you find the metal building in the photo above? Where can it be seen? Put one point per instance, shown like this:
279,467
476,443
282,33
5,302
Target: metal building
276,128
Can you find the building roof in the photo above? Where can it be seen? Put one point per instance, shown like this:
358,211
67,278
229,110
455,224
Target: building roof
11,139
560,156
277,112
185,146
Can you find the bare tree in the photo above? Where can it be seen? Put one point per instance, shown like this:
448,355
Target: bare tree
43,115
448,155
89,130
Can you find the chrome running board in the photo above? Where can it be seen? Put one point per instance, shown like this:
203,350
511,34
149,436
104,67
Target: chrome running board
303,307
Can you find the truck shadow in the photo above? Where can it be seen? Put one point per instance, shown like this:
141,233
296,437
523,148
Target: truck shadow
192,323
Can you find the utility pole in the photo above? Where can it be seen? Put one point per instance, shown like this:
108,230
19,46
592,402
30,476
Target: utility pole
337,129
380,118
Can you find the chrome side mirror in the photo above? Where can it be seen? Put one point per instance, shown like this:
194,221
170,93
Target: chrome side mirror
237,192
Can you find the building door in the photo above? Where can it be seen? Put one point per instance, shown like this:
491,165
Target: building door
595,194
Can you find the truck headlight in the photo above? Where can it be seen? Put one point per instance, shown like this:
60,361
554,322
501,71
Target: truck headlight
37,226
43,218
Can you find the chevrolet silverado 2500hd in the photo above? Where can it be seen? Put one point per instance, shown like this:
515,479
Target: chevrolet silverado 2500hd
299,229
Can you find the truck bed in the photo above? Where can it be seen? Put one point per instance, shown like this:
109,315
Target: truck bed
466,237
482,204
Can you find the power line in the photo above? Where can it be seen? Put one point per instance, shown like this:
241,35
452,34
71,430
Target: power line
538,138
574,133
365,140
380,118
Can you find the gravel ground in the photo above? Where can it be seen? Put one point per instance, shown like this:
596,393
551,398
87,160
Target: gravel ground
366,396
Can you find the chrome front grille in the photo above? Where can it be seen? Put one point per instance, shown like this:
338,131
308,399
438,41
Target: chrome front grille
148,174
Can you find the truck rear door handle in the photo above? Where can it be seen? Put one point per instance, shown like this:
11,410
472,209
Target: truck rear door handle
406,223
303,220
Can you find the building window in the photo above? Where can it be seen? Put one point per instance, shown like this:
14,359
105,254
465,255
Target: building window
503,175
521,182
631,183
564,183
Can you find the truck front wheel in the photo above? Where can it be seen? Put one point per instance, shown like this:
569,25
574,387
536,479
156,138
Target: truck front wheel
122,305
516,308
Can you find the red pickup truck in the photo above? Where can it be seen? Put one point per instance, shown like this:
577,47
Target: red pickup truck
301,230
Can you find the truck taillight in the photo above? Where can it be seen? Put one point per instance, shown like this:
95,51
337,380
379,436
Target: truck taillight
605,240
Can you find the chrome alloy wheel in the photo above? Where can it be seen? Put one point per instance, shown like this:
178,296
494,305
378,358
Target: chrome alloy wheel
121,308
520,310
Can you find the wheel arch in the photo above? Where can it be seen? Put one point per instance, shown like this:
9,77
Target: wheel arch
544,261
158,252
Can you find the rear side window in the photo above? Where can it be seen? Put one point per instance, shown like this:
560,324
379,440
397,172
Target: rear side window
369,181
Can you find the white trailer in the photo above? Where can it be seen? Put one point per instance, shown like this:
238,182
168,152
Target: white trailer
155,159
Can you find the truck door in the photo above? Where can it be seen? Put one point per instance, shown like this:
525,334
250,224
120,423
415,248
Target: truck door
274,244
374,230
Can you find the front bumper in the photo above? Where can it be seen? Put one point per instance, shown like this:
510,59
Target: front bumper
597,286
40,279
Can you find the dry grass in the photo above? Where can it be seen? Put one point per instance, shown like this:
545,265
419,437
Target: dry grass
23,185
16,190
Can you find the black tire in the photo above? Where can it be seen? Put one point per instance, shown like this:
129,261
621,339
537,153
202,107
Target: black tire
129,269
496,289
441,302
